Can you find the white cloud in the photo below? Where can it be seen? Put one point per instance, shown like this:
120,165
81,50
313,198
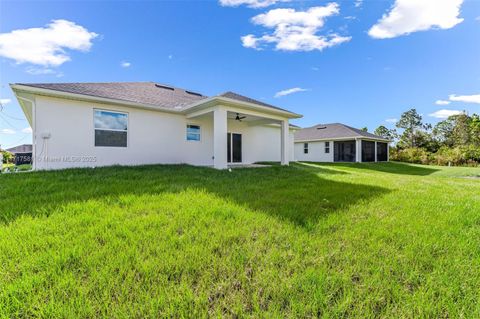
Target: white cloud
27,130
43,71
391,120
289,91
295,30
358,3
465,98
250,3
125,64
170,56
7,131
46,46
442,102
39,71
5,101
407,16
444,114
249,41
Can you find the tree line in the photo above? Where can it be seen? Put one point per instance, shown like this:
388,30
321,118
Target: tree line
453,141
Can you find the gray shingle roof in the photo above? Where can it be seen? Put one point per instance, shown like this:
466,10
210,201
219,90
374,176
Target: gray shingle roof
332,131
24,148
149,93
238,97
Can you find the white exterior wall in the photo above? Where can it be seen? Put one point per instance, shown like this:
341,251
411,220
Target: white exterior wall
153,137
316,152
259,143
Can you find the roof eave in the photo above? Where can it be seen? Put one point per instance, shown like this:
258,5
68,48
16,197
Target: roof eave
341,139
224,100
186,109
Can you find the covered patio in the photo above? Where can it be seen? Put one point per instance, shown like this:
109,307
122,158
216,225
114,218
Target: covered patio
232,124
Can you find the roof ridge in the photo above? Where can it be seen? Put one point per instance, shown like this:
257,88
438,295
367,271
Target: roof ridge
233,92
323,124
248,99
353,129
225,92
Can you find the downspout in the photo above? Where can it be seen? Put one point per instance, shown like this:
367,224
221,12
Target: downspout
34,133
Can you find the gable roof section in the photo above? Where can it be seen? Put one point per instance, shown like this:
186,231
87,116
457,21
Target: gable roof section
242,98
333,131
151,94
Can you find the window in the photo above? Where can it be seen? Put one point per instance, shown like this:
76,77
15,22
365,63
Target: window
193,132
110,128
327,147
305,148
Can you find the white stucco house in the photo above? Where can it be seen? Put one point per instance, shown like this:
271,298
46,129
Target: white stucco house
134,123
338,142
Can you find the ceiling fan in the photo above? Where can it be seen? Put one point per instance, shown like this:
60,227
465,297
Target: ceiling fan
239,118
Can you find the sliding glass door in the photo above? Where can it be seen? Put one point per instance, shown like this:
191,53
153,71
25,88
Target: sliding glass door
234,148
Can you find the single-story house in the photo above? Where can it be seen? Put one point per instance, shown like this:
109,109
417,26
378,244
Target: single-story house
339,143
23,153
24,148
134,123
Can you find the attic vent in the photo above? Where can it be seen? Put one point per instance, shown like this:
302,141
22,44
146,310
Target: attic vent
164,87
193,93
321,127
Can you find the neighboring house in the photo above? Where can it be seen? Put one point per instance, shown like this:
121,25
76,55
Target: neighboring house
339,143
24,148
133,123
23,153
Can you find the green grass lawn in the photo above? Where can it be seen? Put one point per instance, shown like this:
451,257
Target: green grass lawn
337,240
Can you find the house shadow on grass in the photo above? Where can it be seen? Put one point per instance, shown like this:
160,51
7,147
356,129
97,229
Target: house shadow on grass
318,168
296,193
390,167
299,195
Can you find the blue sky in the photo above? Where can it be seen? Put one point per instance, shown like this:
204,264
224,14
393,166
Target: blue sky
341,59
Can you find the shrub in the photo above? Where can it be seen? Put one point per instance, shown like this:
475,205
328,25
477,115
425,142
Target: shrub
457,156
446,156
412,155
7,157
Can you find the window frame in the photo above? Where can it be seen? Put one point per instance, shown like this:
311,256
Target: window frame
199,132
305,148
327,147
112,130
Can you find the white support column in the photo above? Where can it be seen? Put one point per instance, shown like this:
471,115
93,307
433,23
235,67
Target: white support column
358,151
376,151
220,138
285,142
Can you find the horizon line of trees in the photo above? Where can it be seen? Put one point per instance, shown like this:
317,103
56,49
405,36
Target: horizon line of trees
453,141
